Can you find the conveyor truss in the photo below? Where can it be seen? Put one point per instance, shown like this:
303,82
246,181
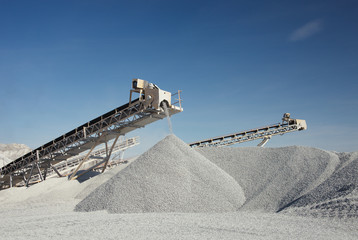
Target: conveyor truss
264,133
107,128
94,161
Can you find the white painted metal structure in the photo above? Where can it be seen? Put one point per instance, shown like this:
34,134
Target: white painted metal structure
264,133
137,113
97,157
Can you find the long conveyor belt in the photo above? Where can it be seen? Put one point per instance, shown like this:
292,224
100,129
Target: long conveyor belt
78,135
289,125
135,114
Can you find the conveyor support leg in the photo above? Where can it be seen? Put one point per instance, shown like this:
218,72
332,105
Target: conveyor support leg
264,141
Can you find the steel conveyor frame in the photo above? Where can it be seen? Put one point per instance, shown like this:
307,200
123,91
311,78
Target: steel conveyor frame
73,138
100,130
259,133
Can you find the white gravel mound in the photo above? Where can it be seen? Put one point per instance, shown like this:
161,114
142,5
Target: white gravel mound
335,197
169,177
340,184
273,177
93,183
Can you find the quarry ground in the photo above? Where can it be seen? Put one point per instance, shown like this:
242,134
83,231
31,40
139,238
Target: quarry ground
57,220
175,192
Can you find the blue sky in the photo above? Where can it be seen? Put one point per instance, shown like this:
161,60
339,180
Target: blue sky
240,64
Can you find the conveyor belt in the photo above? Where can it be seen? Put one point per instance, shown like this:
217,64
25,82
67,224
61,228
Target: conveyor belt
119,121
65,140
253,134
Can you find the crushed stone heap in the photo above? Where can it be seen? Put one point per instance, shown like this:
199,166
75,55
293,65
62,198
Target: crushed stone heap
274,177
169,177
335,197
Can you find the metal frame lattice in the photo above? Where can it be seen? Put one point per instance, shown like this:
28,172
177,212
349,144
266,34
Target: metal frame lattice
80,136
250,135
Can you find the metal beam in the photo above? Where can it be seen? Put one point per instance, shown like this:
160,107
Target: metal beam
88,170
56,171
11,180
46,169
29,177
264,141
38,167
109,154
86,157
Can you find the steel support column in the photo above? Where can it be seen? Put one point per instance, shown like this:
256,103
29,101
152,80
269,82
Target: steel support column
110,153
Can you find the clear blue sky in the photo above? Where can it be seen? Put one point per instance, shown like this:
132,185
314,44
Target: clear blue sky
240,64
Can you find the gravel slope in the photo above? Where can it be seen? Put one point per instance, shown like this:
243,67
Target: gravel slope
337,196
170,177
274,177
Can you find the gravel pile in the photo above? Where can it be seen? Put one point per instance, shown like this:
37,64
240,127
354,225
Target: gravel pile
170,177
335,197
340,184
274,177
